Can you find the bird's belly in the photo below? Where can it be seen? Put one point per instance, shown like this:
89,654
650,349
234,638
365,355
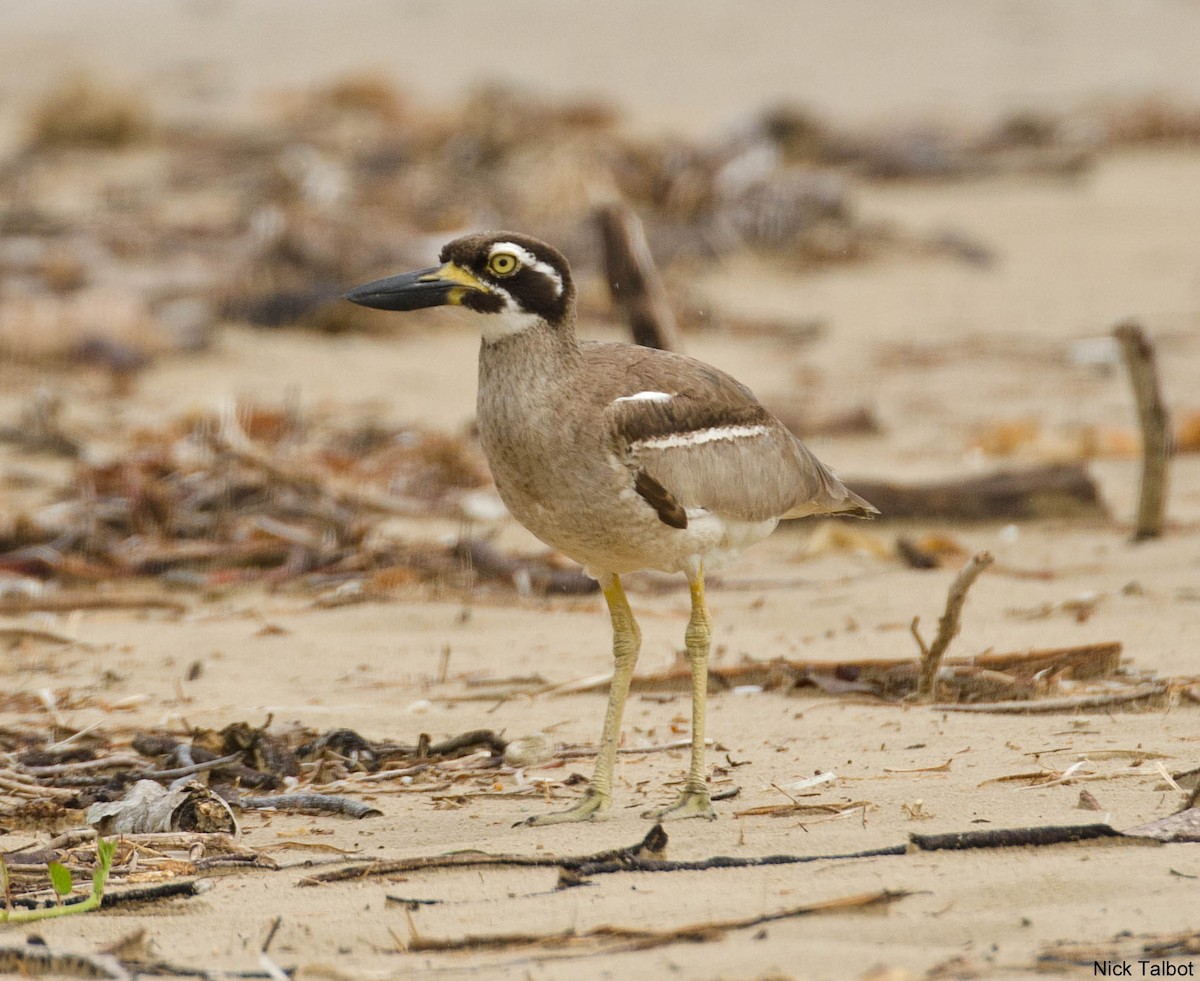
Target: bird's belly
590,511
618,532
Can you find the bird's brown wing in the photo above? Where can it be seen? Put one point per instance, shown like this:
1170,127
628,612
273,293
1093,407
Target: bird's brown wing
708,442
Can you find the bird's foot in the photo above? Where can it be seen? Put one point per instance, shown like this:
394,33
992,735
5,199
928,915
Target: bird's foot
590,808
694,802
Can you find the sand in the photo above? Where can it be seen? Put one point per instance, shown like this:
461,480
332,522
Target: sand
938,348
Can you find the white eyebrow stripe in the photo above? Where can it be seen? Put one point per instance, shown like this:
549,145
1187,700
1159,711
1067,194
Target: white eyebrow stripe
533,262
699,437
645,397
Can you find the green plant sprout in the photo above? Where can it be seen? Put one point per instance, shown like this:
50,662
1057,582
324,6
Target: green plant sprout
60,879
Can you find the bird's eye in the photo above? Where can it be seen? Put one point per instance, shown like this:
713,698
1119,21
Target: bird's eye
503,264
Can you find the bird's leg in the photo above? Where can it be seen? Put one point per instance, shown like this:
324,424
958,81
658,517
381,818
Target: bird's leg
694,801
627,640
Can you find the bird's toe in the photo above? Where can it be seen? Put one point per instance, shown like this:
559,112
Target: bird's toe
692,803
591,807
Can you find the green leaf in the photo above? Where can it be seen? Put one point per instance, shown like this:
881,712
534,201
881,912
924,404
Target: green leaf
106,848
4,891
60,878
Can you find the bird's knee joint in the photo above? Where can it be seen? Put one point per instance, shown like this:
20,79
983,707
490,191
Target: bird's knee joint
698,633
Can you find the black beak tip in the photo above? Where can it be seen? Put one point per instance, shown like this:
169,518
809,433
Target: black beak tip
360,295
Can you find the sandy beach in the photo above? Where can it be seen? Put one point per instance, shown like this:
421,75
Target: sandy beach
941,351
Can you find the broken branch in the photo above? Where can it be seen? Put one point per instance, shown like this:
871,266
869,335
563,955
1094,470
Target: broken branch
653,844
948,624
1138,353
1049,491
633,279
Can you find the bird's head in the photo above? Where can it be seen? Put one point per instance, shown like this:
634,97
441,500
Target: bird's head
522,281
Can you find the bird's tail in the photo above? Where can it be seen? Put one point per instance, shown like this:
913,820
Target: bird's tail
853,506
829,495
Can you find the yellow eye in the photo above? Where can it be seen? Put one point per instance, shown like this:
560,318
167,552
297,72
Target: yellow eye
503,264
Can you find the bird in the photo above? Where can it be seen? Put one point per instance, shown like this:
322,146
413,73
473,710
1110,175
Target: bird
620,457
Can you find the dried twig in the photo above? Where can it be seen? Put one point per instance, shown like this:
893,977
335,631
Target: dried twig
639,938
1138,352
652,844
36,959
134,894
948,625
231,439
17,635
1072,704
972,678
1013,837
15,784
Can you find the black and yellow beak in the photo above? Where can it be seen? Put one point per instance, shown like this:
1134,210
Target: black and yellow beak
439,286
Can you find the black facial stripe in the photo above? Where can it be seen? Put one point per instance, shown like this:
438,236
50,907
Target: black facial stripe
535,292
482,302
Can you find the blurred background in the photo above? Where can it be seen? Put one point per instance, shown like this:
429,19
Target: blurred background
674,66
909,227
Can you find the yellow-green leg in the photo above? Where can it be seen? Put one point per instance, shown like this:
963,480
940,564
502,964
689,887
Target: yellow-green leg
694,801
627,640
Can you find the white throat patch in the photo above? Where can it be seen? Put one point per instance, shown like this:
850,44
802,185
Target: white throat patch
511,319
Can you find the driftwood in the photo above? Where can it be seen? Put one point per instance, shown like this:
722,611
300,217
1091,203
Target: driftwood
648,855
1012,837
633,279
1049,491
1181,826
970,678
1138,354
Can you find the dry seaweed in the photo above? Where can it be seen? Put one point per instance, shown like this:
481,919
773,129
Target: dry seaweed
256,494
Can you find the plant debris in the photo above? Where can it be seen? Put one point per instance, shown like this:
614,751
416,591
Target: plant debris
253,495
643,938
1025,680
948,625
149,807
